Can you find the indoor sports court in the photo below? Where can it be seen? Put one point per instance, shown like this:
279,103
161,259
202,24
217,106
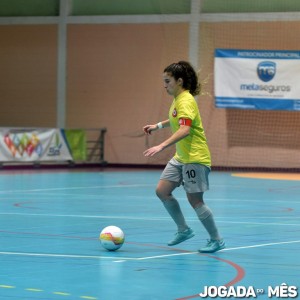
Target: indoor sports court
50,223
80,80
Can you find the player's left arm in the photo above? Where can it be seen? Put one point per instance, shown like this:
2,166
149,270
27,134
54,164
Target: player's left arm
181,133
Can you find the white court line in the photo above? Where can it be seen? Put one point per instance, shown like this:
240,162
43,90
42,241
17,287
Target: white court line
97,187
226,249
17,192
157,256
76,188
33,191
90,216
62,255
191,219
260,223
124,259
260,245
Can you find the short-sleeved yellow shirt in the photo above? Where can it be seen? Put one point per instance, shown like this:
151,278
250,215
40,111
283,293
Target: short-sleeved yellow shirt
193,148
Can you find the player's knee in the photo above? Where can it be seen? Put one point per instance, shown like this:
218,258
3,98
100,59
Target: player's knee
162,194
159,193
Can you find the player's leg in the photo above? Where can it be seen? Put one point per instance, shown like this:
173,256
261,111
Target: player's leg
204,214
171,179
196,182
206,217
164,193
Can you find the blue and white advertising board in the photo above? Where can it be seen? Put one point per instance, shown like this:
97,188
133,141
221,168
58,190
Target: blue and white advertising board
257,79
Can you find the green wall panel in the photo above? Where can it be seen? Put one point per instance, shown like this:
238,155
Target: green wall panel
16,8
232,6
20,8
129,7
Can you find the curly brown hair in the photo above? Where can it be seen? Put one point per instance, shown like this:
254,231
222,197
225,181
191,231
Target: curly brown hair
186,72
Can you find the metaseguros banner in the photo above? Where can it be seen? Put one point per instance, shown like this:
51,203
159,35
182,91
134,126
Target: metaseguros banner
257,79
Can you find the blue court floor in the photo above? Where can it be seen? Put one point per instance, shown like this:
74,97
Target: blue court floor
50,222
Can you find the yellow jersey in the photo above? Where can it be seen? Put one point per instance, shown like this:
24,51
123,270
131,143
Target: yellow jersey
193,148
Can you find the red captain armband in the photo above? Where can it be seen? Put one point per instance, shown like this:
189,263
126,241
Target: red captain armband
186,122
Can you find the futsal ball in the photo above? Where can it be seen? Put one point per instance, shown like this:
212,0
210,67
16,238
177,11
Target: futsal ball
112,238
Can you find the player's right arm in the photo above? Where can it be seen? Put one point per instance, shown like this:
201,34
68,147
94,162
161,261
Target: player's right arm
149,128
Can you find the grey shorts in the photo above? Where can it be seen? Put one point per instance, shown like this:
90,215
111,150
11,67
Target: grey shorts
193,177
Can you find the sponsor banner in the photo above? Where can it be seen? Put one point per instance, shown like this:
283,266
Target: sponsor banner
23,145
257,79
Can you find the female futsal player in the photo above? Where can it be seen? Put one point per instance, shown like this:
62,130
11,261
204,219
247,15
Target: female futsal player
191,164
